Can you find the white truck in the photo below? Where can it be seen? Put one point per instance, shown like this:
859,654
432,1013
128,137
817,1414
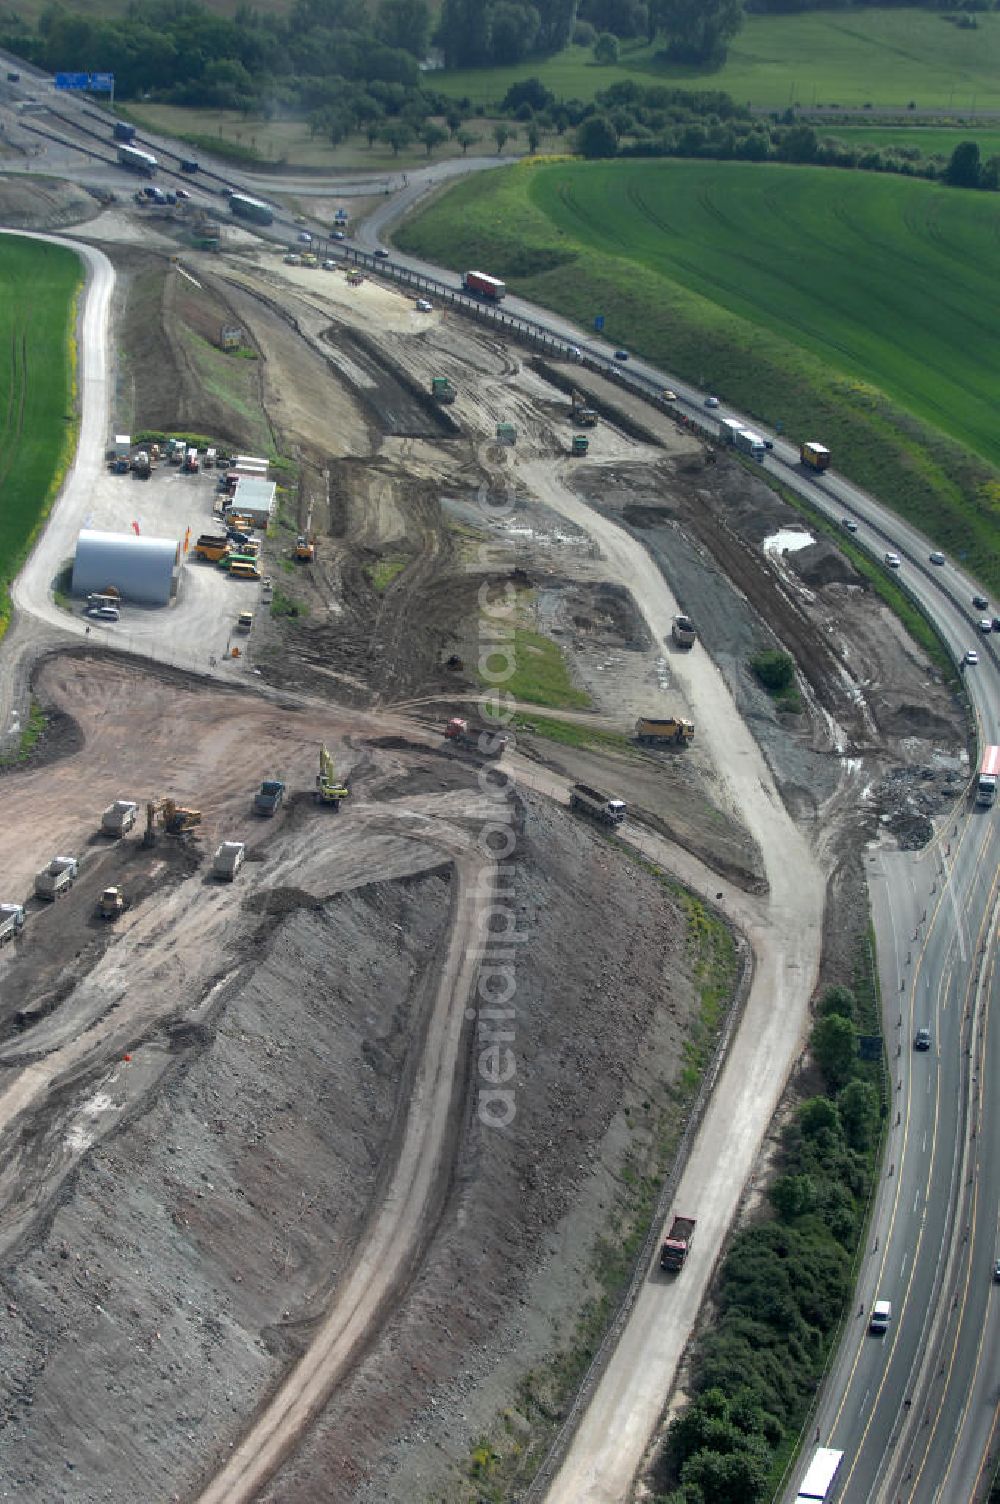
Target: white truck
597,805
11,921
118,818
228,859
58,877
989,772
748,442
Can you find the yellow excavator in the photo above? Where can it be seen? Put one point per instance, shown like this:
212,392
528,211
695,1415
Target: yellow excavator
173,817
329,789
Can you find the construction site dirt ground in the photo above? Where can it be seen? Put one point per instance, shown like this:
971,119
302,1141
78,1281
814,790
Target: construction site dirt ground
175,1223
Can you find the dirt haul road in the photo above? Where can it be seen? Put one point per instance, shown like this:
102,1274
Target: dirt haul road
620,1419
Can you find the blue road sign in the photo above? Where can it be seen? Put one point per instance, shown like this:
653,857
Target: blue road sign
102,83
95,83
599,322
72,80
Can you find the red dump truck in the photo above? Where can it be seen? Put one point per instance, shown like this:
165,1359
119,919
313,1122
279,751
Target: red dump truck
483,286
676,1243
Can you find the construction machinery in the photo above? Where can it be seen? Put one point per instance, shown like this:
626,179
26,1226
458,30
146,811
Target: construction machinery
11,921
683,632
228,859
269,796
142,466
673,731
244,621
488,741
580,445
598,806
579,413
174,819
57,878
329,789
112,904
443,390
118,818
305,549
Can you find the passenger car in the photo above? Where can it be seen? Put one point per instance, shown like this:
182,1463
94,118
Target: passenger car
668,395
937,558
849,525
922,1039
422,305
971,656
304,238
985,625
621,355
711,401
106,613
381,253
980,602
338,235
892,561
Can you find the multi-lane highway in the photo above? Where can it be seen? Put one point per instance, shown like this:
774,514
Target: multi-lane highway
915,1410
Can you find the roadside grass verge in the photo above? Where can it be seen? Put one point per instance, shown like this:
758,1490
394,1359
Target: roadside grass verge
31,735
502,1463
38,419
540,674
234,383
844,307
818,57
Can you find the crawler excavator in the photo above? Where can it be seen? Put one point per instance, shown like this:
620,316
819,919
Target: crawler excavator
329,789
173,817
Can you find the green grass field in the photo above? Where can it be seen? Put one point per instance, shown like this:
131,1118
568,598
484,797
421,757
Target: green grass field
928,140
848,307
37,417
847,57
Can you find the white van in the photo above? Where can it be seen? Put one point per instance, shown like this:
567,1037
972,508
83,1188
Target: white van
880,1317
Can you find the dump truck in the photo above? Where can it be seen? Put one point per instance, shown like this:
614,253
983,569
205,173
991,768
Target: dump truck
443,389
676,1244
597,805
672,731
683,631
486,740
57,878
329,789
111,904
481,285
305,549
579,413
118,818
814,456
228,859
11,921
989,772
269,796
580,444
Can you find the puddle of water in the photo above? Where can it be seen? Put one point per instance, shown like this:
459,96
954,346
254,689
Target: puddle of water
789,539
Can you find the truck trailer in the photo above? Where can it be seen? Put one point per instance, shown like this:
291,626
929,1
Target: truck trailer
673,730
597,805
814,456
817,1485
57,878
989,772
676,1244
11,921
118,818
481,285
748,442
137,161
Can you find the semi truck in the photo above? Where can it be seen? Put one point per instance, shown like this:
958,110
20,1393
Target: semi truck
483,286
228,859
676,1244
11,921
269,796
486,740
58,877
674,731
137,161
989,772
683,631
814,456
748,442
118,818
597,805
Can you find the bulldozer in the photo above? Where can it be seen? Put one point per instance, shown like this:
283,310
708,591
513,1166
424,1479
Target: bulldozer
329,789
112,903
173,817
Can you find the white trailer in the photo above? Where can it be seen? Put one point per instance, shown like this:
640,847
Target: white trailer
818,1482
748,442
228,859
58,877
118,818
11,921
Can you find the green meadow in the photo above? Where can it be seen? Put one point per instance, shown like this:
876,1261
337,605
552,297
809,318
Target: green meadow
37,413
849,307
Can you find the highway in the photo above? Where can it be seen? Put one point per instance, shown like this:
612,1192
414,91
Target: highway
914,1411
